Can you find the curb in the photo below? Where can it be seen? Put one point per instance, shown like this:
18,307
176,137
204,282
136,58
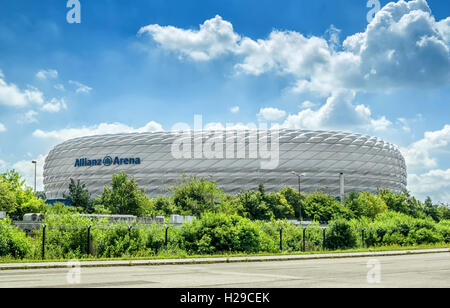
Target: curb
88,264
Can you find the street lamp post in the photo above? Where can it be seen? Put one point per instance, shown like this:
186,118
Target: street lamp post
342,186
35,173
299,176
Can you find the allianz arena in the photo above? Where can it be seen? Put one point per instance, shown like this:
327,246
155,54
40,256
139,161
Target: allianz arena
236,160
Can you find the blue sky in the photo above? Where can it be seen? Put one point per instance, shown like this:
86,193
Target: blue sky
295,63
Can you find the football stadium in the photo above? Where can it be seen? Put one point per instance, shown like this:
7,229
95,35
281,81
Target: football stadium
236,160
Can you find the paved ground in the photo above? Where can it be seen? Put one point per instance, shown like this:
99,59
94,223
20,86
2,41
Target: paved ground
427,270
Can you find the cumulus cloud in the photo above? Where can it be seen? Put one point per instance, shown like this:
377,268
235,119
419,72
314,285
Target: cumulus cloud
100,129
435,184
55,105
2,128
11,95
47,74
214,38
420,153
403,46
271,114
80,88
339,112
26,170
307,104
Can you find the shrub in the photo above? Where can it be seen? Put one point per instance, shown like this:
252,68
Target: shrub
424,236
66,235
221,233
341,235
366,204
13,242
118,240
323,207
195,196
443,228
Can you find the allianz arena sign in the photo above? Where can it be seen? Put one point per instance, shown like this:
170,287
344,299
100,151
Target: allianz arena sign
107,161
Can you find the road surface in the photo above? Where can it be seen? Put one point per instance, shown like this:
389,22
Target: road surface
427,270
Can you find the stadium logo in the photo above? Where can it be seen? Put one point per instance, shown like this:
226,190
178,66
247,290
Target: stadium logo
107,161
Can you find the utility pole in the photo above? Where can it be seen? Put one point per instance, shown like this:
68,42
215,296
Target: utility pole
35,174
342,186
299,176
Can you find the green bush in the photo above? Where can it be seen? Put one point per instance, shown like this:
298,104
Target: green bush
66,235
118,241
13,242
443,228
323,207
341,235
214,233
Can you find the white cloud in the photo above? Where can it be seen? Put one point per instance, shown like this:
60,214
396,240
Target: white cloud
435,184
26,170
28,117
403,46
235,109
2,128
11,95
81,88
419,154
271,114
59,87
216,126
307,104
214,38
55,105
100,129
339,112
47,74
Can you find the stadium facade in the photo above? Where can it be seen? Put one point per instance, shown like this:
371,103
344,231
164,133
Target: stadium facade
237,160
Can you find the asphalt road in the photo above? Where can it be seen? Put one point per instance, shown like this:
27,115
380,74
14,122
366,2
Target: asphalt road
427,270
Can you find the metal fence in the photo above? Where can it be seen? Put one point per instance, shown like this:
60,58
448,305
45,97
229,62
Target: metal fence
84,239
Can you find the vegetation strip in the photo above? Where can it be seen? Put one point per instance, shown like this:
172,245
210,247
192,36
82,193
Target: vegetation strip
253,222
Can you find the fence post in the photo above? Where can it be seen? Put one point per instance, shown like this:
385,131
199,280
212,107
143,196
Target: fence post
363,238
304,239
281,239
166,240
89,240
43,241
324,238
129,233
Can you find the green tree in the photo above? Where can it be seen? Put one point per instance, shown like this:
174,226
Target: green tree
294,199
279,206
7,198
323,207
79,196
195,196
16,198
369,205
432,210
124,197
254,206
